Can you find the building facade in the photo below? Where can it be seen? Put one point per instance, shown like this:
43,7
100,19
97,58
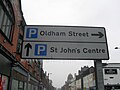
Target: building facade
85,80
17,73
7,22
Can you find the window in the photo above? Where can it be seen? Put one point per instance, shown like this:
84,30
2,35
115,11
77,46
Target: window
20,87
6,21
29,87
110,71
1,16
4,25
3,82
25,85
35,88
0,82
14,84
19,46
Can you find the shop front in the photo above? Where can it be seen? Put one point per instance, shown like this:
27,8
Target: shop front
5,70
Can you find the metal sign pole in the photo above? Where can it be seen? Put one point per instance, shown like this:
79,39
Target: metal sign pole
99,75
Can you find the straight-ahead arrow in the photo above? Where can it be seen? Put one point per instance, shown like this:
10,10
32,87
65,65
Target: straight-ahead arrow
100,35
28,46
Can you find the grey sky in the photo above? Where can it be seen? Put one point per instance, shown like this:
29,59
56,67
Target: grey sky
103,13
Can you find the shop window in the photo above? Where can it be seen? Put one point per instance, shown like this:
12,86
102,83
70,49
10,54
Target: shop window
29,87
14,84
32,87
20,86
3,82
25,85
35,88
0,82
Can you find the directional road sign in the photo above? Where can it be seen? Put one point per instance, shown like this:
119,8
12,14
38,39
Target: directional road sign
64,33
59,50
65,42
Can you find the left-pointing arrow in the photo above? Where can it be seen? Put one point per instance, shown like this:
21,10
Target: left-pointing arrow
28,46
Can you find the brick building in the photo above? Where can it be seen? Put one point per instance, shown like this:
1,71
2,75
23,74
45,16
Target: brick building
16,73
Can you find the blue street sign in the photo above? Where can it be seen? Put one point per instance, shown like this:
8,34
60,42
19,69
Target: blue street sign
32,33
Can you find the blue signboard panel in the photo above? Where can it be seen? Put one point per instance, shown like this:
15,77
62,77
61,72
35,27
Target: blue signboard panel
32,33
40,50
